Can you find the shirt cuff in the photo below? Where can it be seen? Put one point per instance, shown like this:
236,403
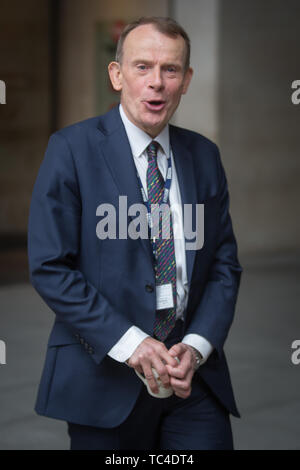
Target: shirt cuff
201,344
128,343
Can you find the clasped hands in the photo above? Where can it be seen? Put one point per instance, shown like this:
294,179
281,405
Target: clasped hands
153,353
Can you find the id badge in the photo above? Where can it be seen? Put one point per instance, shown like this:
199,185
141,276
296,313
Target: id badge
164,296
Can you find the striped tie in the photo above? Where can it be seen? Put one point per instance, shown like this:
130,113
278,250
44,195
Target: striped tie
165,253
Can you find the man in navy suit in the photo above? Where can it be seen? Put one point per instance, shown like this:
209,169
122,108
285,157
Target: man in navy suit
116,310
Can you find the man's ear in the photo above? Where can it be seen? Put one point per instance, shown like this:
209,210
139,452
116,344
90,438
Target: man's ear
115,75
187,80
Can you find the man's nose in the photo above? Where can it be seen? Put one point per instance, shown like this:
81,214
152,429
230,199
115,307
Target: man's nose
156,80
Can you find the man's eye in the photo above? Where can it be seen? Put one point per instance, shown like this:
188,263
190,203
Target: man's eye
142,67
171,69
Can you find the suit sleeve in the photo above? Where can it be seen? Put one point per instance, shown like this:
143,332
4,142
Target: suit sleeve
214,314
53,249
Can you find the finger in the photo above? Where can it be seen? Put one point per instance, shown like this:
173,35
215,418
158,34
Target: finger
183,394
177,349
182,369
139,369
159,361
182,388
168,358
162,372
180,374
148,373
179,384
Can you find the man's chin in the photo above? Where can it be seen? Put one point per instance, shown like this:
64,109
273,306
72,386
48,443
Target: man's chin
154,126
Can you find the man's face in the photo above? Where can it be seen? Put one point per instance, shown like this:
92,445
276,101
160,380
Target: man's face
151,77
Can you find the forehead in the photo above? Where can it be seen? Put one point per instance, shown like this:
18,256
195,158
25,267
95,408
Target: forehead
145,42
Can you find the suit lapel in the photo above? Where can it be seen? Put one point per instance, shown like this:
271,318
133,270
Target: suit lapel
118,156
187,184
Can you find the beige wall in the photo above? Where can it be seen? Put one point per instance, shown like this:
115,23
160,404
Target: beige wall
245,59
199,107
259,125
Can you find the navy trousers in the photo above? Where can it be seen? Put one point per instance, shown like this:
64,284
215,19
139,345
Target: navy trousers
197,422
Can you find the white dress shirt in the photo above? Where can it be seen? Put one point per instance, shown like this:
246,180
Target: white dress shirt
139,142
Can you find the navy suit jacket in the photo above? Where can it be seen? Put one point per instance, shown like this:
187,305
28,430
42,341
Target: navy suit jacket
98,289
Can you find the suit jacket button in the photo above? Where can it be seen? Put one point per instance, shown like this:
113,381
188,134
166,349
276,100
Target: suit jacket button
91,350
149,288
82,341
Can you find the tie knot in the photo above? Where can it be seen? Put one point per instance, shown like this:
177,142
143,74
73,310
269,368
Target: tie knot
152,149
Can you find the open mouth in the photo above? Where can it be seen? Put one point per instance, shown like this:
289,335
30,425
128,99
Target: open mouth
155,105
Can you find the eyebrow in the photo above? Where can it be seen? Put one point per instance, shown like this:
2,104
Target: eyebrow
149,62
142,61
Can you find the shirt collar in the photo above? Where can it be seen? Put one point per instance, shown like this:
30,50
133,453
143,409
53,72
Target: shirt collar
139,140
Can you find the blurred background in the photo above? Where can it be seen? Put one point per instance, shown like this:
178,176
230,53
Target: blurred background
245,55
